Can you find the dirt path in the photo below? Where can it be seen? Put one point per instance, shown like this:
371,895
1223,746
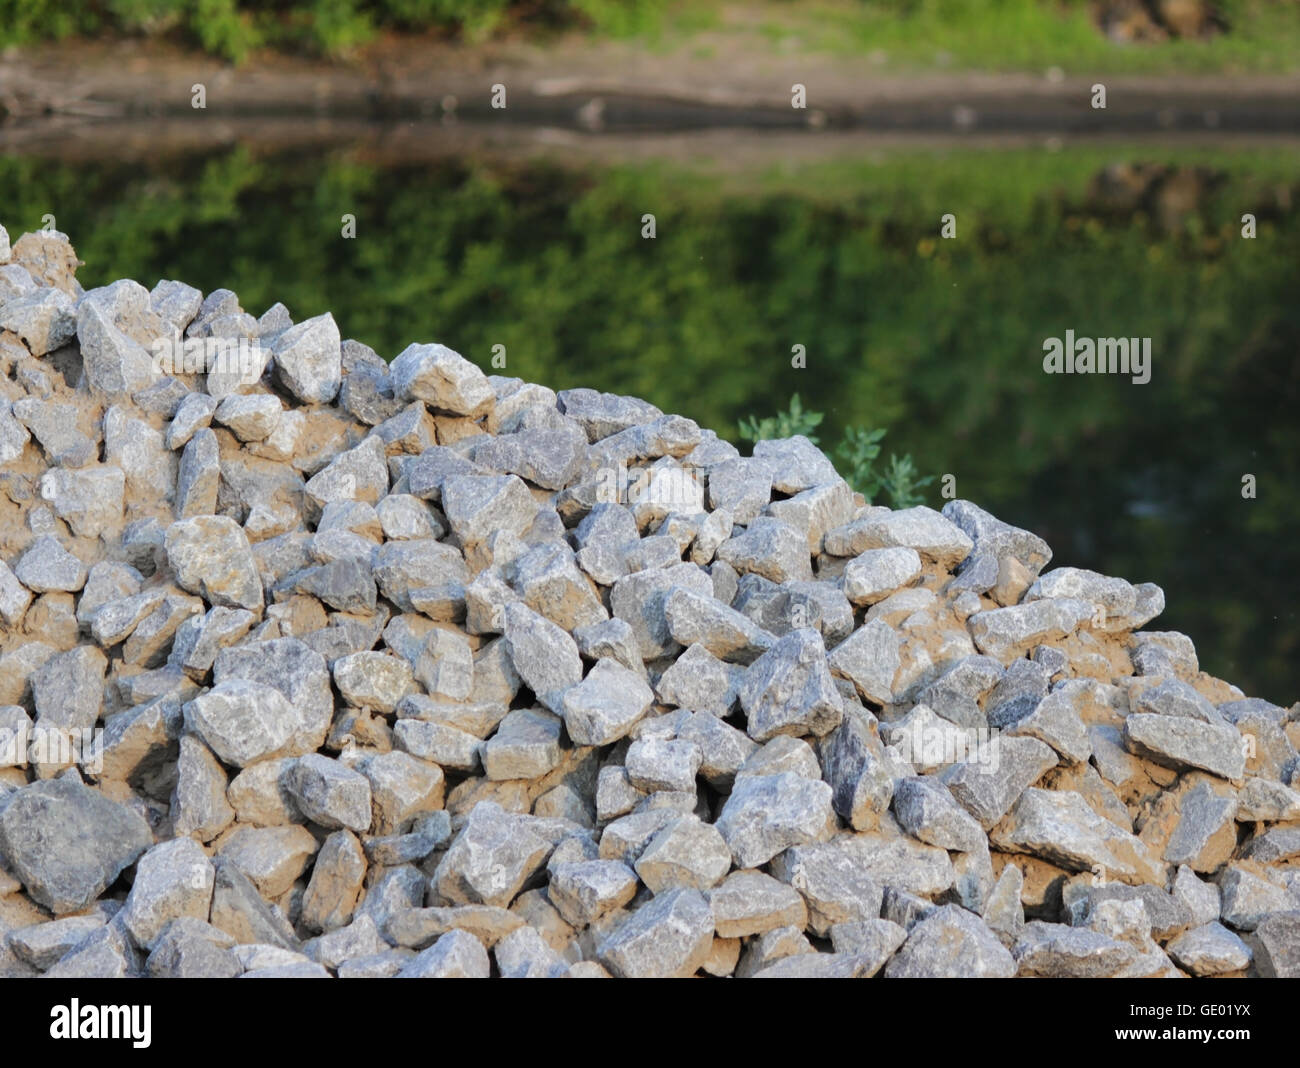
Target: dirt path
614,86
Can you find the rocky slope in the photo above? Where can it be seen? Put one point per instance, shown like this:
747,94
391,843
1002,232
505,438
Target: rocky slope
318,664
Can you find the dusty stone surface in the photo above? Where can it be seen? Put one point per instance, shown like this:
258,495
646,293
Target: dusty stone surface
389,684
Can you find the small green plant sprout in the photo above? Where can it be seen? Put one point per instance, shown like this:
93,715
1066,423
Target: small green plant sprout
783,424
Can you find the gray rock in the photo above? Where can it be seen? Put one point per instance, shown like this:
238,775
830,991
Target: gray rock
877,573
491,859
198,476
766,814
951,943
685,853
47,566
926,810
698,680
443,379
796,463
329,793
1060,827
45,320
987,788
639,600
243,721
670,936
89,500
1053,950
861,780
373,680
697,619
477,506
1275,944
768,547
869,658
789,690
68,689
298,672
605,705
210,556
1210,950
1005,633
173,879
525,746
66,843
1249,899
1181,742
309,359
545,657
601,415
585,891
335,885
752,903
193,949
456,955
42,945
198,803
663,764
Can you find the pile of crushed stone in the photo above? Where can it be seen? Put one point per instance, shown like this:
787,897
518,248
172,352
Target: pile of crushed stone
319,665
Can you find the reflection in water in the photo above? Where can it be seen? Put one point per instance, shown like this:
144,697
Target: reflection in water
939,340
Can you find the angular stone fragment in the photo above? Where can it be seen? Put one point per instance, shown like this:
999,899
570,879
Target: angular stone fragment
66,843
667,937
788,690
210,556
545,657
875,574
309,359
766,814
329,793
926,810
1055,951
242,721
861,780
1181,742
694,618
1060,827
525,746
951,943
687,852
585,891
456,955
605,705
869,658
443,379
172,879
373,680
988,786
491,859
752,903
663,764
47,566
770,548
198,803
1005,633
336,881
796,463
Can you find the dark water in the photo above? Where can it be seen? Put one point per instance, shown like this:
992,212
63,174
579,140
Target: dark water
940,341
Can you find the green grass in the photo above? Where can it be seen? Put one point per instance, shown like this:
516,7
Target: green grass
897,36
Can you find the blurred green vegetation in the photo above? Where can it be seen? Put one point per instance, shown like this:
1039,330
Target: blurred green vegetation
232,29
938,340
1032,35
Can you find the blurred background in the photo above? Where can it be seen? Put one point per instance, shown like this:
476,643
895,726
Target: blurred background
775,226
